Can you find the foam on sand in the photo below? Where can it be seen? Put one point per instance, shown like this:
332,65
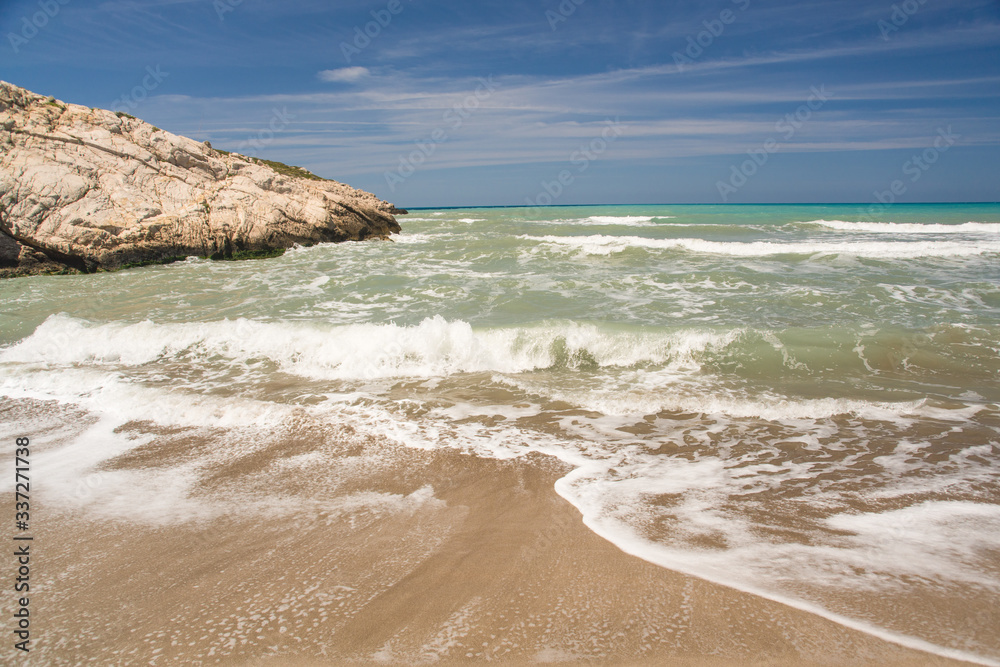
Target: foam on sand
694,565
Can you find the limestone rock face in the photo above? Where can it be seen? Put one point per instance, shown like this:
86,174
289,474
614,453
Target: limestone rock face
86,189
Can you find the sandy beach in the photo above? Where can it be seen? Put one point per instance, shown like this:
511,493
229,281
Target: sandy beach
427,557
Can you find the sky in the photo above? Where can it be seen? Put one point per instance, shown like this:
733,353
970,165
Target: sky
510,102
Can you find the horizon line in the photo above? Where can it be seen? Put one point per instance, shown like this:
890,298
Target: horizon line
895,205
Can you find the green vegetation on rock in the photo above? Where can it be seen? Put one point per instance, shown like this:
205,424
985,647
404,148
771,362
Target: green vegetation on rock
151,262
248,254
280,167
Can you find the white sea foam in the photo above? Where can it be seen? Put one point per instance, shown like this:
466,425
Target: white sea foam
315,286
908,228
115,396
605,220
629,220
435,347
676,389
71,463
71,459
927,539
754,567
606,245
414,238
770,408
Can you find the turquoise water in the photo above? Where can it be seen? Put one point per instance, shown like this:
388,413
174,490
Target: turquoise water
797,401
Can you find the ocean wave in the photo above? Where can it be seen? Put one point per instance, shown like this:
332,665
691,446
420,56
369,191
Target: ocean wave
607,245
908,228
435,347
629,220
606,220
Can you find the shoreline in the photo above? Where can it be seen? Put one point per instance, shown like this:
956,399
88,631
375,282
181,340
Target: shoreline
492,566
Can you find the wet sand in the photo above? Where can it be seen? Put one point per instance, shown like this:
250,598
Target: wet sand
491,567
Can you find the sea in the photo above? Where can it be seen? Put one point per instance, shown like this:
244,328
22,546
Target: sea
801,402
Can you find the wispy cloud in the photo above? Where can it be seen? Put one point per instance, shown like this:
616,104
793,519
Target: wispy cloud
344,74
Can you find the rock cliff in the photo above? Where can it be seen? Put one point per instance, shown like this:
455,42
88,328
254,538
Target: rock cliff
86,190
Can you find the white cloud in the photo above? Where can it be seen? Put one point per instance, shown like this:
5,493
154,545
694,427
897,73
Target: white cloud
349,74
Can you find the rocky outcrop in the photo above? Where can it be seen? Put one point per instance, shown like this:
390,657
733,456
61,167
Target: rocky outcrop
86,190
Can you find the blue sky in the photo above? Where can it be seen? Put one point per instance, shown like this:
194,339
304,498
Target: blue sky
494,102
